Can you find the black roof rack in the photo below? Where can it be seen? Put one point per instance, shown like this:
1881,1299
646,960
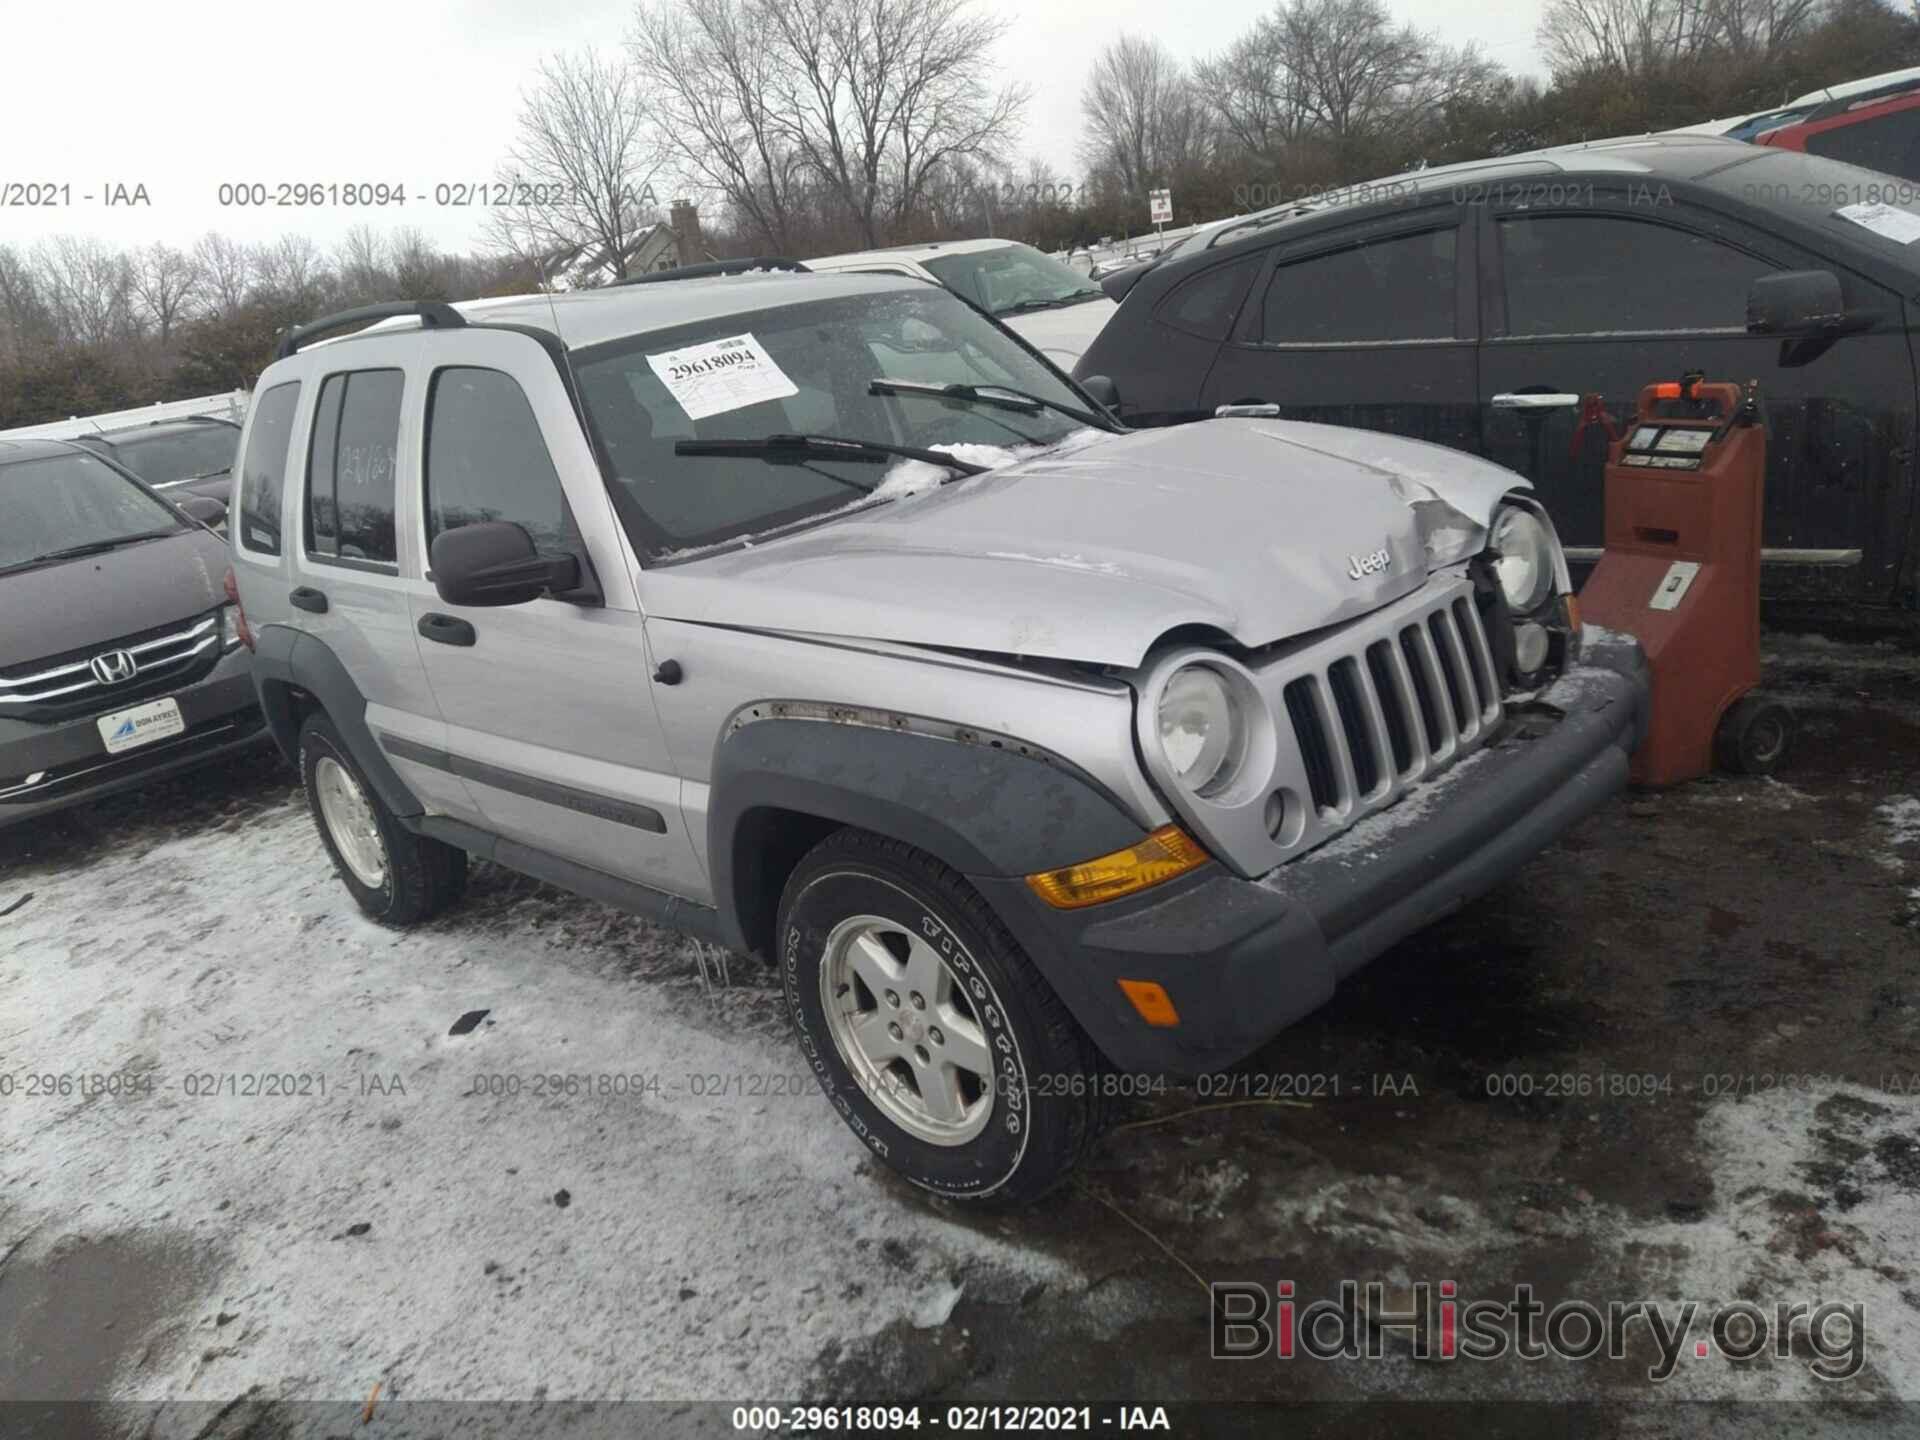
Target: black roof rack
716,267
433,315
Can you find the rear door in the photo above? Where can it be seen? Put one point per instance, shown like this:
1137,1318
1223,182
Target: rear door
549,705
1633,285
1370,325
348,589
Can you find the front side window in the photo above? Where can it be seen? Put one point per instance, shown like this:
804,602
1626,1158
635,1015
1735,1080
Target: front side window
71,504
1012,279
1600,274
269,432
350,466
486,459
1399,288
806,371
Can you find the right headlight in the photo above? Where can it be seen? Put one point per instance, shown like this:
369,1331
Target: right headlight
1523,559
1203,729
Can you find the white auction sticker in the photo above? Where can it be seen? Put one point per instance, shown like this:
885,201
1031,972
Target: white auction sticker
1902,226
721,375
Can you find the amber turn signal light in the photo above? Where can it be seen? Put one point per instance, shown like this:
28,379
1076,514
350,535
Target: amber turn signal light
1150,998
1166,853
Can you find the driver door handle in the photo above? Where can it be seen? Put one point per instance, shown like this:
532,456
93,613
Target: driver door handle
1515,400
445,629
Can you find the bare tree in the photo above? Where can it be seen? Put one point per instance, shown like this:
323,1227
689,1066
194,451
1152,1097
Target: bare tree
710,74
165,282
581,167
25,321
360,266
1256,93
1138,106
875,96
1638,39
291,273
88,287
226,272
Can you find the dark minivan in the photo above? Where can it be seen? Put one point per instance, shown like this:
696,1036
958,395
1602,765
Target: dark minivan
1474,306
120,656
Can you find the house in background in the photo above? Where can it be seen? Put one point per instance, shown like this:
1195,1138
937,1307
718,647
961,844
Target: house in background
661,246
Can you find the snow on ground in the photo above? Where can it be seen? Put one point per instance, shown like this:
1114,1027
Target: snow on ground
706,1245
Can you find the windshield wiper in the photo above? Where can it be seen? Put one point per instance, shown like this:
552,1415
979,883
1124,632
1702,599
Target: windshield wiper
92,547
794,449
1072,297
1001,397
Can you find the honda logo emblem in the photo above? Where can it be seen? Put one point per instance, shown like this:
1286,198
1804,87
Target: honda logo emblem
113,667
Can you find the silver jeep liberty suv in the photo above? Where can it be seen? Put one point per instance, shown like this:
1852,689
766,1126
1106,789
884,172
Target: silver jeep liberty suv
820,617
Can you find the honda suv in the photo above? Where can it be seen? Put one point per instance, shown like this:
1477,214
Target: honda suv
817,616
119,652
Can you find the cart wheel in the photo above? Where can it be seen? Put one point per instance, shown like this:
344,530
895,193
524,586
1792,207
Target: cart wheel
1754,736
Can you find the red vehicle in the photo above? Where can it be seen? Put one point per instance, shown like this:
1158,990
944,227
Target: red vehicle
1875,131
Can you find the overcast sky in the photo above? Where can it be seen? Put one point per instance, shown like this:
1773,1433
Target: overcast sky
184,95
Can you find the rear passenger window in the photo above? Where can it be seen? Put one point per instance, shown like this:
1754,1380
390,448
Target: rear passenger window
264,468
1206,304
1399,288
356,445
486,459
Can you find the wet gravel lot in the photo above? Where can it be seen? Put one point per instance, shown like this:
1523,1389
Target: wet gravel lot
1678,1057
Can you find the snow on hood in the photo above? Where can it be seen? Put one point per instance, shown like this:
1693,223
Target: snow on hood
1094,549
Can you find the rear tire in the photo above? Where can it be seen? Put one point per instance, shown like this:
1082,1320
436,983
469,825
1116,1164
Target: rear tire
905,987
1754,736
395,876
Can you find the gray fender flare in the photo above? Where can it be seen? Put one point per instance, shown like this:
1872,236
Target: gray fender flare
985,811
285,659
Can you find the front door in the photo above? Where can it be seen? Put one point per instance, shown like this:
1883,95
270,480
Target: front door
549,705
1633,287
1370,326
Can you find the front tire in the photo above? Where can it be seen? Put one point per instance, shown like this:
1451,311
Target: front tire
395,876
929,1029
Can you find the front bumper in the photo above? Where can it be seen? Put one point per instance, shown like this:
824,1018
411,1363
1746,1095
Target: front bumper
1242,959
45,767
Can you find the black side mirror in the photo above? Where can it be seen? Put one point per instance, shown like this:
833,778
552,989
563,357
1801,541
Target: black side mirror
1102,388
1796,302
204,508
494,562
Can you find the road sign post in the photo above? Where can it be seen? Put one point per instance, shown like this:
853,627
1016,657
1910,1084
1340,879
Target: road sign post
1159,208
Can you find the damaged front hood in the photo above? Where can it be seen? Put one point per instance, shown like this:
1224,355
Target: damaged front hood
1259,529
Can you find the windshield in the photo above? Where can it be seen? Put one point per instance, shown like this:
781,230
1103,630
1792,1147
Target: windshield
71,500
175,455
800,370
1012,278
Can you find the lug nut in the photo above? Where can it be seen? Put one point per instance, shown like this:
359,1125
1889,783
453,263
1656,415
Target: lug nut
920,1054
935,1036
894,1031
893,999
919,1000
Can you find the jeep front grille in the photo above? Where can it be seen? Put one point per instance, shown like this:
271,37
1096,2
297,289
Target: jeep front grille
61,687
1364,714
1384,712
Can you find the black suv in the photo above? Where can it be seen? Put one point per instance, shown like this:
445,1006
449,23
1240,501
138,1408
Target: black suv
193,456
120,653
1474,306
